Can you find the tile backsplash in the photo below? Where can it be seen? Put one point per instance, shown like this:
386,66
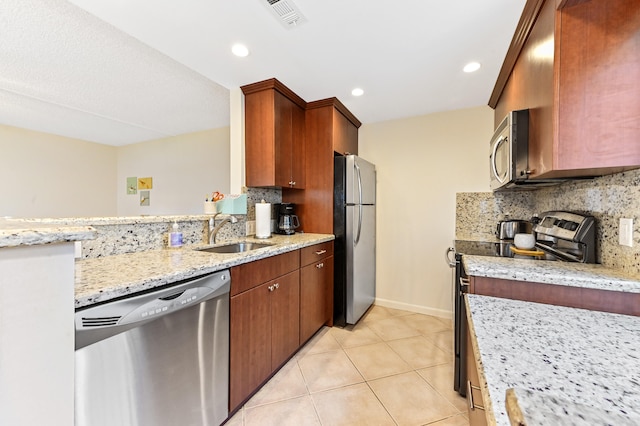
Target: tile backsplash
607,198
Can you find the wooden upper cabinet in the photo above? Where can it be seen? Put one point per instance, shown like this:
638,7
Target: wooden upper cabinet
330,128
274,136
575,65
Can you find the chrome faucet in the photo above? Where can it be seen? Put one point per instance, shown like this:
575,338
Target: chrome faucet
213,230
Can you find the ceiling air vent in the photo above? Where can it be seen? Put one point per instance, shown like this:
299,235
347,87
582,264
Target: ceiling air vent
286,11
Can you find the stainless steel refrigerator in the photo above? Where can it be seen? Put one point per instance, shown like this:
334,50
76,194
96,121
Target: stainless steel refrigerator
354,225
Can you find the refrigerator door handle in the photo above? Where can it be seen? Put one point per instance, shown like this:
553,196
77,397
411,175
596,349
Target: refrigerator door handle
357,239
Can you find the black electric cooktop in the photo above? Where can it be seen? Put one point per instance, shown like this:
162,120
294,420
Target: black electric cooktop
484,248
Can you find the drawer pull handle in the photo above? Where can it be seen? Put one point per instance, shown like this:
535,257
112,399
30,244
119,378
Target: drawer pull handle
320,265
321,252
472,405
274,287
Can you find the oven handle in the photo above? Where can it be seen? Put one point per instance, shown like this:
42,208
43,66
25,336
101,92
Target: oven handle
447,258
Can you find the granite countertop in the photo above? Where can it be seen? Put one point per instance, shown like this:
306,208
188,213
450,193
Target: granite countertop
106,278
15,233
562,358
585,275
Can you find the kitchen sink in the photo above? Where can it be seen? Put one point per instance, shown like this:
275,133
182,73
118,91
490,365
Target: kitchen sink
236,247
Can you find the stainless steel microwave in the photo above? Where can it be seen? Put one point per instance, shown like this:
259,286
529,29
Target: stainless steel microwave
509,155
509,151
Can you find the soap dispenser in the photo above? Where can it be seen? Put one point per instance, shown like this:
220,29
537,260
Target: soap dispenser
175,236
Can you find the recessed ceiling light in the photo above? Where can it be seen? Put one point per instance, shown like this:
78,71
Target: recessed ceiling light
240,50
357,92
471,67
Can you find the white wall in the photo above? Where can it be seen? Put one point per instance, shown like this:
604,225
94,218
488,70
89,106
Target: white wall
44,175
421,163
184,169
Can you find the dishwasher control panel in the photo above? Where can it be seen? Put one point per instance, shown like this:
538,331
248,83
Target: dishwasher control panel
119,315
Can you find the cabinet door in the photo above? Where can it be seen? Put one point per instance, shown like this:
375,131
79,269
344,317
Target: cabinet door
475,405
250,343
298,147
345,135
283,111
284,296
315,289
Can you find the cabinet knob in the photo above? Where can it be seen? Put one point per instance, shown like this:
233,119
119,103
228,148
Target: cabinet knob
321,252
276,285
320,265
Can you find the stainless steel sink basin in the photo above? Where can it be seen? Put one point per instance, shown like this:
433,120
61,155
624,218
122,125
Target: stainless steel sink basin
236,247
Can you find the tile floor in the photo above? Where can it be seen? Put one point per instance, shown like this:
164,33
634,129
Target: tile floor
393,368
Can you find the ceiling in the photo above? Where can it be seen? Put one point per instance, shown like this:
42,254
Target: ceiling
121,71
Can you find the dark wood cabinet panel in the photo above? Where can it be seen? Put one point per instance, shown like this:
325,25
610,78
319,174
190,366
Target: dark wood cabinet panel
599,85
312,254
330,128
345,135
285,324
274,136
316,297
250,343
255,273
574,65
574,297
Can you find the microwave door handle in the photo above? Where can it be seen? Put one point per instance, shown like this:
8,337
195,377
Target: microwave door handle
494,166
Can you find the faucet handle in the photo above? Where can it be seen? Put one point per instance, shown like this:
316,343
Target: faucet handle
233,219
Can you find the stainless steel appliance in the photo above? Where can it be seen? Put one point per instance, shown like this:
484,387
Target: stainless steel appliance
158,358
354,225
507,229
564,236
509,155
286,220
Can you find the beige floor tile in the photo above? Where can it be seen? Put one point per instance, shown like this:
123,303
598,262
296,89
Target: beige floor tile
357,335
419,352
351,406
458,420
377,313
448,322
410,400
322,341
285,384
377,360
237,419
441,378
294,412
425,324
442,339
328,370
393,328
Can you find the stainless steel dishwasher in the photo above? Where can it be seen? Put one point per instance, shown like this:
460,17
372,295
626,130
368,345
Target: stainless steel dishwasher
158,358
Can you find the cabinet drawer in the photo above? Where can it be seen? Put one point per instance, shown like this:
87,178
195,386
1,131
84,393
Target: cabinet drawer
249,275
316,252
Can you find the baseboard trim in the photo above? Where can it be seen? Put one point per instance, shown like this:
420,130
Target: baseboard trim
441,313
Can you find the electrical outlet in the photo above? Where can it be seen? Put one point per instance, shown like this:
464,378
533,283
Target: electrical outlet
251,227
625,233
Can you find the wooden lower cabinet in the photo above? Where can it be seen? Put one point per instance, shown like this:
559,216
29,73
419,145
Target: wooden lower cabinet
475,402
264,321
316,289
285,326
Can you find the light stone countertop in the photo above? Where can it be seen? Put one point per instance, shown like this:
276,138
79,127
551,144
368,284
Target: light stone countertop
572,357
552,272
106,278
18,233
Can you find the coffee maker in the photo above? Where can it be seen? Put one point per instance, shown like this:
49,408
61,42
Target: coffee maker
286,220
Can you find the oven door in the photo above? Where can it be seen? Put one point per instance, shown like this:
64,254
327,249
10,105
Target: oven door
461,286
